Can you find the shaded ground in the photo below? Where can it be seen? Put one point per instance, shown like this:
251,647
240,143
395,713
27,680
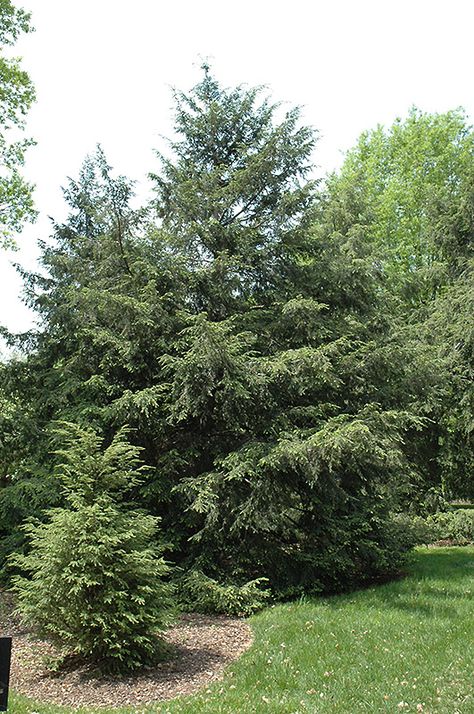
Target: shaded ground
204,647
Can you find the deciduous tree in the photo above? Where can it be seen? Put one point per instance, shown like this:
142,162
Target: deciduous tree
16,96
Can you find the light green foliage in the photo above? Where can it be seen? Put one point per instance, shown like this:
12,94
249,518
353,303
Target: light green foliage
407,192
457,526
16,96
94,583
203,594
410,530
396,185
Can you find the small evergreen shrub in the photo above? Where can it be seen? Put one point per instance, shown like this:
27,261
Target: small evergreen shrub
94,577
457,526
204,594
409,530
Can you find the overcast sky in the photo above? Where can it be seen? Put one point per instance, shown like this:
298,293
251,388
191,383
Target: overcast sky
103,71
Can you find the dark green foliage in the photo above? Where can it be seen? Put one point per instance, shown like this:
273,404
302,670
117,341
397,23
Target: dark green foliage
27,486
95,576
233,197
450,326
289,468
270,356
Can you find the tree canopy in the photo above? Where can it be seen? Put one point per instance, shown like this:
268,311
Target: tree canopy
16,96
401,186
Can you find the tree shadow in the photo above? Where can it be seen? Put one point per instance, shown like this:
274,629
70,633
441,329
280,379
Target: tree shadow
423,590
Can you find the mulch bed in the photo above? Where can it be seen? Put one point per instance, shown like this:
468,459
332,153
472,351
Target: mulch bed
204,646
446,543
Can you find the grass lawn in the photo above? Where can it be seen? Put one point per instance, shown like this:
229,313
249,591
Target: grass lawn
407,646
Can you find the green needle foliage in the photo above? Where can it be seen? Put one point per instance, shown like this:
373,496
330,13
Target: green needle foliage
259,340
449,325
95,576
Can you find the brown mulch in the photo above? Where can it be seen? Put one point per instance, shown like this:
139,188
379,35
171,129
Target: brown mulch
445,543
204,645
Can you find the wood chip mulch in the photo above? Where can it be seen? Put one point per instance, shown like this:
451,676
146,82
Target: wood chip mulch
204,646
446,543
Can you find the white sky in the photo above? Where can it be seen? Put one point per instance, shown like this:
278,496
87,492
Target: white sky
103,68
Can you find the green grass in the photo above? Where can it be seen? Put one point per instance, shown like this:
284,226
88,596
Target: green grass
409,641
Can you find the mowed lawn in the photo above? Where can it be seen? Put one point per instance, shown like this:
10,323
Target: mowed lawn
406,646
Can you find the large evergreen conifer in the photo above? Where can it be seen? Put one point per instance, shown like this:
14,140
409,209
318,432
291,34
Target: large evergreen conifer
233,327
283,462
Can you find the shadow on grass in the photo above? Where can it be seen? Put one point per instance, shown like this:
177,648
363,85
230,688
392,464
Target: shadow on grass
423,590
457,562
